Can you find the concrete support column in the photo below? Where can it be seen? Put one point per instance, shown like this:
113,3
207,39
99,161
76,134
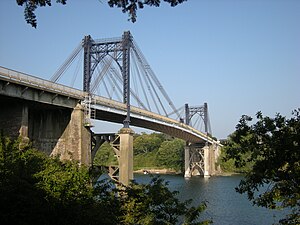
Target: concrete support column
126,156
23,132
206,161
24,122
217,156
212,159
187,169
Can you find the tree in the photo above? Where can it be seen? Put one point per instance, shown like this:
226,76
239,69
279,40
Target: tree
273,146
146,143
38,189
228,165
105,156
154,203
127,6
170,154
31,5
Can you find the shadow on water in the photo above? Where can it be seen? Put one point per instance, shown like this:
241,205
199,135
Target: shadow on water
224,205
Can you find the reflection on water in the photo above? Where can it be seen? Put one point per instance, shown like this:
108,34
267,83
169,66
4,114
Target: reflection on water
224,205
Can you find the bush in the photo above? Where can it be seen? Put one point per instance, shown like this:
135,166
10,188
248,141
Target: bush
37,189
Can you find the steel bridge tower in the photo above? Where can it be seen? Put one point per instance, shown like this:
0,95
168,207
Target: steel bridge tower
197,155
119,51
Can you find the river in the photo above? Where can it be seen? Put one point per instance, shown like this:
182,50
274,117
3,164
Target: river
224,205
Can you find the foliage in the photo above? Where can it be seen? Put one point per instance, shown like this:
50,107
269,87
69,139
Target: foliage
146,161
131,7
127,6
154,203
228,165
31,5
151,151
105,156
273,146
170,154
37,189
147,143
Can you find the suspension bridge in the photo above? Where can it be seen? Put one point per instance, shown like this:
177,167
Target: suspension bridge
118,85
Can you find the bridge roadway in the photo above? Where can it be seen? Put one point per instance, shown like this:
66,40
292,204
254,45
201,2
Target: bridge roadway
106,109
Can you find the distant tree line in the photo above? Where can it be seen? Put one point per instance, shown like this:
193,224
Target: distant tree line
160,151
153,150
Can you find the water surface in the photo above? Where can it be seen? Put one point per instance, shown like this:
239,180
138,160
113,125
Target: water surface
224,205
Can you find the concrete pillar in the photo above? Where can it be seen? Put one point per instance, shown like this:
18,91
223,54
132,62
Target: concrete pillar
212,160
23,132
75,141
217,154
24,122
126,156
187,169
206,161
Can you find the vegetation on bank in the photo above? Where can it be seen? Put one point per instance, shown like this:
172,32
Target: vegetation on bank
157,151
151,151
38,189
228,165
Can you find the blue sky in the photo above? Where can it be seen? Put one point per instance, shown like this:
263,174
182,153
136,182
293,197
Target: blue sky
239,56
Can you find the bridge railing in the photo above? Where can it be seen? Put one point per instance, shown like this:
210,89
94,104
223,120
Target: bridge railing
171,122
42,84
36,82
146,114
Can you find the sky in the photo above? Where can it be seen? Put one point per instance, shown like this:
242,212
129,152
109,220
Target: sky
239,56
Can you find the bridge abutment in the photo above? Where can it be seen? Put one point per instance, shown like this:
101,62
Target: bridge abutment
75,141
52,129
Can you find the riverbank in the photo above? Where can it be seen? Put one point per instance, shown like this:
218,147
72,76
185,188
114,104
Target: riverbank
167,171
156,171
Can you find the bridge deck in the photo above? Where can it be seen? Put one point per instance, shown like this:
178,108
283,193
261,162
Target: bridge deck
106,109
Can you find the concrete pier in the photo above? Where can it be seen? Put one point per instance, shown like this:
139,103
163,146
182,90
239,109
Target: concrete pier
200,159
187,168
126,156
206,160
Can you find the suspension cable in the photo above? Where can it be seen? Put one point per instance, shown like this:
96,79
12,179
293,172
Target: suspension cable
150,85
119,78
140,81
100,75
55,77
148,68
79,62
